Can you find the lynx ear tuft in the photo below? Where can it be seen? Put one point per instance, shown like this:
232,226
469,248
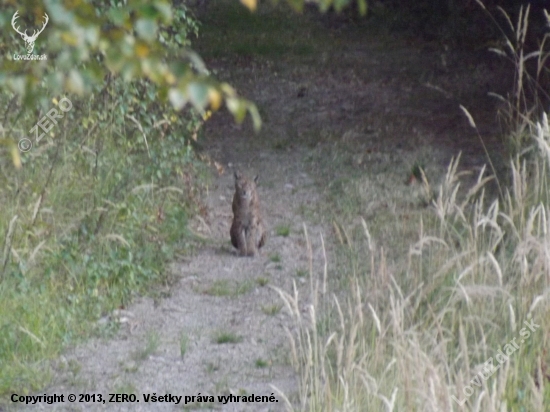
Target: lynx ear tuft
256,178
237,174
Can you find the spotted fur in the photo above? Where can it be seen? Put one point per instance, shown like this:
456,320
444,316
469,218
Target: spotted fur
247,230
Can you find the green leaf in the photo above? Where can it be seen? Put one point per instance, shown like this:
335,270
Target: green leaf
146,29
62,15
362,7
196,61
255,114
14,151
340,4
177,98
198,94
237,107
250,4
118,16
324,5
165,11
91,35
297,5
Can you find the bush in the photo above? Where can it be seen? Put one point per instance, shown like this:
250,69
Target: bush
98,209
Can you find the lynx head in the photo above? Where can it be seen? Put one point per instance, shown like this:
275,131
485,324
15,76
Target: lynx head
244,187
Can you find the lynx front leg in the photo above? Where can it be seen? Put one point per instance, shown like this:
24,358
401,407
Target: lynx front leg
243,243
261,236
238,238
251,246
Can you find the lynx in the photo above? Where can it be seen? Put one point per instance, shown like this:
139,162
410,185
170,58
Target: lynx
247,230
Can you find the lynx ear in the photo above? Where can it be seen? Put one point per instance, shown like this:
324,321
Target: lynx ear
256,178
237,174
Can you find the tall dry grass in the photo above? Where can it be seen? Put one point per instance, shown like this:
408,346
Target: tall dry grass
414,340
463,324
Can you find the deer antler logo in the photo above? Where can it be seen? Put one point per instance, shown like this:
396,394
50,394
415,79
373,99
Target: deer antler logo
29,39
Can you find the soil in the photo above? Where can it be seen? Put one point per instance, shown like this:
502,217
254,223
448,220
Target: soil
382,103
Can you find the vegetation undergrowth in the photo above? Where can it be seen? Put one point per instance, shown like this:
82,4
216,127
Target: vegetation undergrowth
459,323
98,209
272,32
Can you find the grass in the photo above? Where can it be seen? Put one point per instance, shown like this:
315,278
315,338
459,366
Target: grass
282,230
407,327
184,344
271,310
462,296
131,367
151,345
224,337
220,287
273,32
461,280
262,281
225,287
74,377
212,367
301,273
242,288
443,307
90,230
125,388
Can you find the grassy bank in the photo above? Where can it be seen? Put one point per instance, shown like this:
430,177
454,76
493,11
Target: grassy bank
98,209
424,332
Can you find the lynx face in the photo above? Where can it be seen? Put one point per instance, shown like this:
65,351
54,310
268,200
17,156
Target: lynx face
244,188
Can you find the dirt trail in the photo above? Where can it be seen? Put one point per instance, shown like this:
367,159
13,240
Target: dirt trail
145,356
383,103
